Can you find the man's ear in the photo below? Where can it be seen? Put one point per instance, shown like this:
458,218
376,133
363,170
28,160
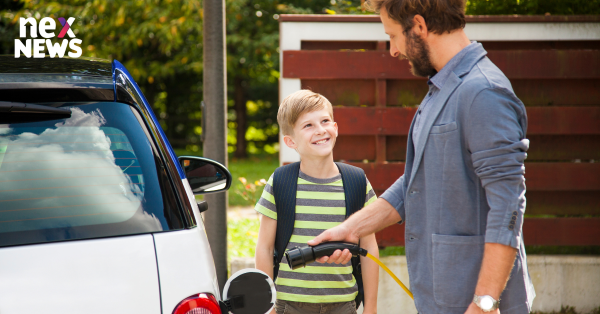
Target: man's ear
289,142
420,26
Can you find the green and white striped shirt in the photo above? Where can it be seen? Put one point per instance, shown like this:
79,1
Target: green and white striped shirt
320,205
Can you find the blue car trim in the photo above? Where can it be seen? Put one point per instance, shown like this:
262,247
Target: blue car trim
121,67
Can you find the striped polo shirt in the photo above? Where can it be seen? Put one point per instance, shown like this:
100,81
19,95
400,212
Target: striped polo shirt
320,205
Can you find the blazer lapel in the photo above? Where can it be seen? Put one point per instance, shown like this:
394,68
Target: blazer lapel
437,105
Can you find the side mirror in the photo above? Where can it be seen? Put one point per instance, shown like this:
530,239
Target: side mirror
249,291
205,175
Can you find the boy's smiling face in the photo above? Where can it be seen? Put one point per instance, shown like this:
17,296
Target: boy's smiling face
314,134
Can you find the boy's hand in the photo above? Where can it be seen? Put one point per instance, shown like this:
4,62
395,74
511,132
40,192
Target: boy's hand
339,233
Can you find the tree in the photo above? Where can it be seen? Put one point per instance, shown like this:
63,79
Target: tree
531,7
158,41
253,67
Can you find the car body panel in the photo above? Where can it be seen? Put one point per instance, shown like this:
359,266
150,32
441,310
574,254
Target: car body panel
112,275
183,270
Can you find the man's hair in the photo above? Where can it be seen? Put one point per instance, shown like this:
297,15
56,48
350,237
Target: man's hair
440,15
298,103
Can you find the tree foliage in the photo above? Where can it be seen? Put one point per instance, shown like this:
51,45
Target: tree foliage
160,42
533,7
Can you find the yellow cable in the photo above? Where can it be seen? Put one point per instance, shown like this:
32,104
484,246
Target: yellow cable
391,274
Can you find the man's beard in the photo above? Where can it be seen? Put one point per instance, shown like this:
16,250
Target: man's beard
417,53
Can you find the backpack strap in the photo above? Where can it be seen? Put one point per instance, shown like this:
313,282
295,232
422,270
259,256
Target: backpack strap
355,192
355,187
285,185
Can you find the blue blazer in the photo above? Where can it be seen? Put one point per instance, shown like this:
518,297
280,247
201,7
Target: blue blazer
464,186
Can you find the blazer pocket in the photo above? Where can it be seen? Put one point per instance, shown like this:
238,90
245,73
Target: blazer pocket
456,264
443,128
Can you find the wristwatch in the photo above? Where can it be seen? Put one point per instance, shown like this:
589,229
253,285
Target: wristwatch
486,303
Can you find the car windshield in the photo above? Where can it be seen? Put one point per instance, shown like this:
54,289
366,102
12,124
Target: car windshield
91,175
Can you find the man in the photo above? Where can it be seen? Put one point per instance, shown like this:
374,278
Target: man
462,194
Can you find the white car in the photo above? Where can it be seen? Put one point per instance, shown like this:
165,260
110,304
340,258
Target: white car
97,215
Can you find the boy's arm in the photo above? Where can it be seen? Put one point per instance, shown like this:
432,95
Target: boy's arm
370,273
266,245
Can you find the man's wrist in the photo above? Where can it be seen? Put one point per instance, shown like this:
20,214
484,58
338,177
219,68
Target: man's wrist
351,226
486,303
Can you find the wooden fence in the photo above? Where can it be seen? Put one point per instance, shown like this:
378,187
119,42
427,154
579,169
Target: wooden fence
375,98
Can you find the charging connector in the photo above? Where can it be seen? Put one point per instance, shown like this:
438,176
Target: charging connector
300,256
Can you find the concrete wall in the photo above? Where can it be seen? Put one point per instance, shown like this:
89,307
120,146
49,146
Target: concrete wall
558,280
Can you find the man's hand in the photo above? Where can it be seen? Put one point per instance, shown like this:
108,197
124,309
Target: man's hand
474,309
370,219
339,233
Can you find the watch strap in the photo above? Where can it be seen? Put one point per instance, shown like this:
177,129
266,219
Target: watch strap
477,301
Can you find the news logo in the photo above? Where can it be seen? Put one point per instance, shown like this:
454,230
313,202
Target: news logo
35,47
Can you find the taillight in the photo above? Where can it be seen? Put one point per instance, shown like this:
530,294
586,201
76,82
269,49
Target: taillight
203,303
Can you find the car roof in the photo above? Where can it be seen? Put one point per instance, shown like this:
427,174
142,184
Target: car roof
60,79
67,66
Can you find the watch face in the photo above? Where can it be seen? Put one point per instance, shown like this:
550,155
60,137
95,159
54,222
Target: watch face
486,302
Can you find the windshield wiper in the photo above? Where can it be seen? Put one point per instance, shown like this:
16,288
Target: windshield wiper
24,108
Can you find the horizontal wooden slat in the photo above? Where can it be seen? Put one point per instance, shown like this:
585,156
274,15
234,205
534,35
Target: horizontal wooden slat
520,64
488,45
542,44
557,92
317,64
550,176
555,176
373,121
396,121
541,148
536,231
410,92
381,176
561,231
469,18
563,120
563,203
337,45
563,147
406,92
346,147
391,236
344,92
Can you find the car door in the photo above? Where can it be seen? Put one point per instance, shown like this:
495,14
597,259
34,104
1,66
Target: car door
113,275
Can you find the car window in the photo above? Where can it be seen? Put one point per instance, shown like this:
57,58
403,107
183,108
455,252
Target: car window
91,175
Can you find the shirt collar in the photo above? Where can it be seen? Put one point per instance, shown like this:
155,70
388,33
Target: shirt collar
440,78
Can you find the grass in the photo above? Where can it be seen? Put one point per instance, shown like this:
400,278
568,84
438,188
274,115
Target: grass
253,169
242,235
392,251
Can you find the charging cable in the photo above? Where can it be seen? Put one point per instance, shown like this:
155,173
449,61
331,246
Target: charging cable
300,256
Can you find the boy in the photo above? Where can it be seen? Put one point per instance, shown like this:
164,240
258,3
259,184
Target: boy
306,121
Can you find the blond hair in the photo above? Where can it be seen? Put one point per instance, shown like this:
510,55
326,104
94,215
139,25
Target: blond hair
298,103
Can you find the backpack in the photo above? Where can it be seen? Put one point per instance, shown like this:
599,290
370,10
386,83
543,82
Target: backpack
285,184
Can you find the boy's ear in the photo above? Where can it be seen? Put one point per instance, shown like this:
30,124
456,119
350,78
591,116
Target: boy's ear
336,128
289,142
